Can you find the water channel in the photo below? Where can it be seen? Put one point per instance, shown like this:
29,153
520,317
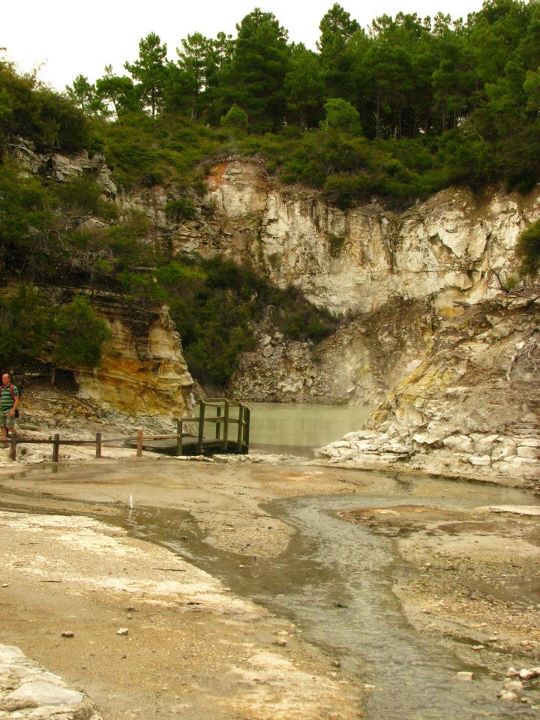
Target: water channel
335,583
335,580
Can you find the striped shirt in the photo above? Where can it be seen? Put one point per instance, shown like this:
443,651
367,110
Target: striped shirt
6,399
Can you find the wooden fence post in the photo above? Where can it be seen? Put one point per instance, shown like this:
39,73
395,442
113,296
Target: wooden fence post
240,427
13,447
139,443
98,445
179,428
218,422
247,416
226,426
200,440
56,447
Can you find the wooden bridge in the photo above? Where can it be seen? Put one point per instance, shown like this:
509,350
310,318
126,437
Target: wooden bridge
222,426
227,431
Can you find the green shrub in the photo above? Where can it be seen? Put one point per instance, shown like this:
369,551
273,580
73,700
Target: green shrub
181,208
235,118
37,113
215,303
298,319
25,326
142,287
79,335
84,195
341,115
528,250
29,226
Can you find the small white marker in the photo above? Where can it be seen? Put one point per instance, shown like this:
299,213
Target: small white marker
131,502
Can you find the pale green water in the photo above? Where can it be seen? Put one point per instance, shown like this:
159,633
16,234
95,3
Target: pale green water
299,428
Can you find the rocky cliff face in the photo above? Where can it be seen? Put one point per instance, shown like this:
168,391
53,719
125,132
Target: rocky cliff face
356,365
472,406
399,274
142,371
61,167
426,328
454,246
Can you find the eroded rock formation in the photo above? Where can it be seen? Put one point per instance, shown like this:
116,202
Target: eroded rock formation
143,371
454,246
427,327
472,406
356,365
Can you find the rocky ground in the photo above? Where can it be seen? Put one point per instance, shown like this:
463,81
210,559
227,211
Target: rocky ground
97,623
471,408
473,578
147,634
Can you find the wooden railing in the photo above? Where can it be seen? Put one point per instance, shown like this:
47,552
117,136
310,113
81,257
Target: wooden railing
223,420
223,442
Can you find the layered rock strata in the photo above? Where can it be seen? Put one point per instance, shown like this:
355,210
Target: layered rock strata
471,406
142,371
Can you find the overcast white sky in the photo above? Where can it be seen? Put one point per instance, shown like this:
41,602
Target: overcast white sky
65,37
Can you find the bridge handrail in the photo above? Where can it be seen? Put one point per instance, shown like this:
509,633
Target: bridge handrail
242,421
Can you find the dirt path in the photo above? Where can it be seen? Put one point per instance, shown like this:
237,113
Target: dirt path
192,648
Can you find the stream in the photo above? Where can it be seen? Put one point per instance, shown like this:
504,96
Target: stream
334,582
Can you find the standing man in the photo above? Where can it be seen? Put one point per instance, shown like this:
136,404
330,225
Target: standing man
9,402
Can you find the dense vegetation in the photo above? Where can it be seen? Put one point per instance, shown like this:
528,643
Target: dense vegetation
528,250
71,336
400,109
214,303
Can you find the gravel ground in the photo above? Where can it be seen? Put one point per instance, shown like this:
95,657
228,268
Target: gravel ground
469,577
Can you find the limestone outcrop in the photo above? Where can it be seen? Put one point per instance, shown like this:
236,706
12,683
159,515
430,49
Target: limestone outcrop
28,691
143,371
454,246
472,406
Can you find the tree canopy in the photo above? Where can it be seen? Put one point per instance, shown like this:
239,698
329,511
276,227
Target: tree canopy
461,96
401,108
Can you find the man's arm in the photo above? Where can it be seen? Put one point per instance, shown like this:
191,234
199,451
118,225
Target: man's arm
15,404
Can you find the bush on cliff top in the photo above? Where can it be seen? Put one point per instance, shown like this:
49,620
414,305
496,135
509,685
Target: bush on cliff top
35,112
